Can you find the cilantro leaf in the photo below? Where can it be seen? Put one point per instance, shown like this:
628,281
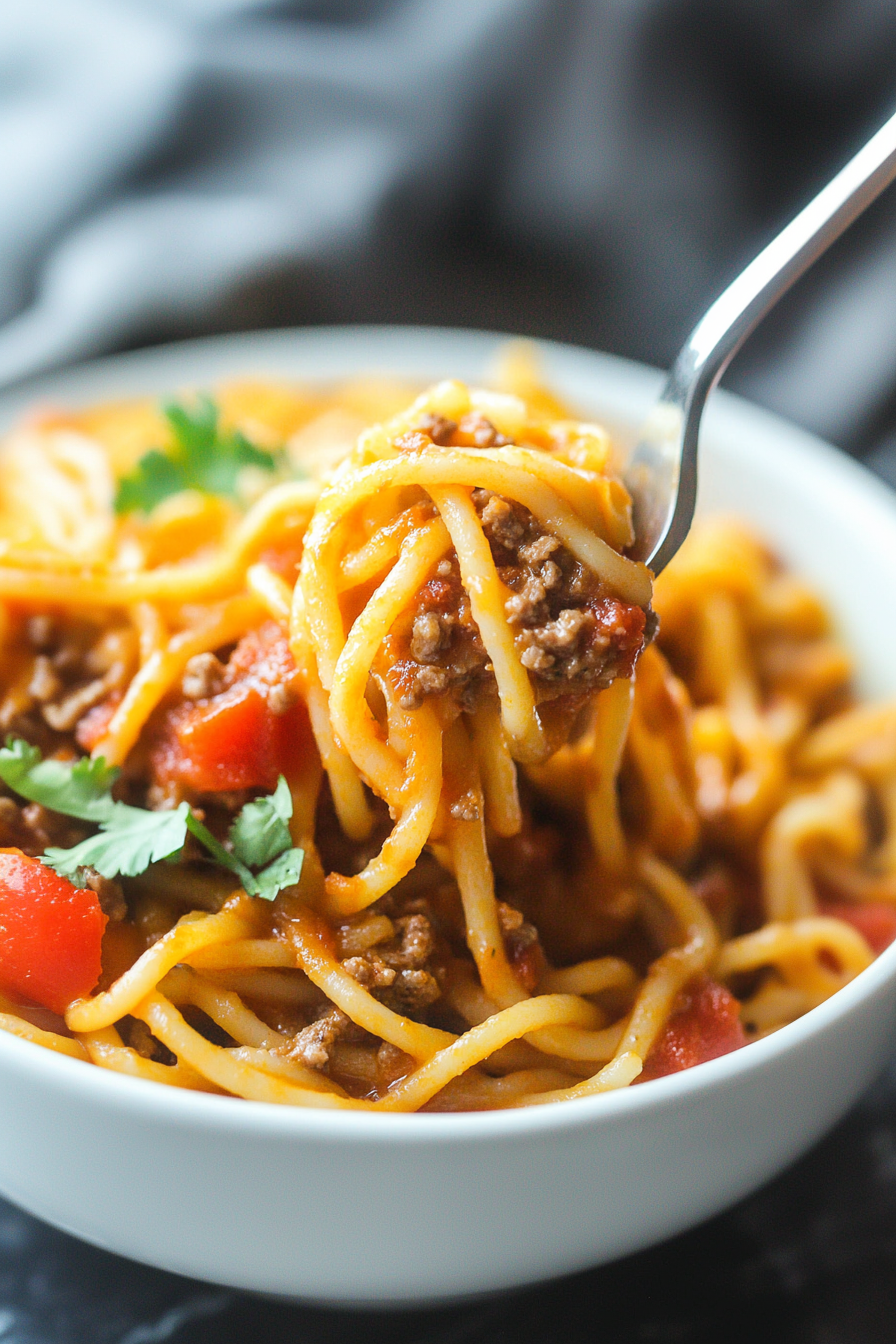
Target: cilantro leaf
285,871
75,788
202,457
155,477
260,831
222,855
130,839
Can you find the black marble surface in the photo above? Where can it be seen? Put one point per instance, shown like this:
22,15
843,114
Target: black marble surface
810,1259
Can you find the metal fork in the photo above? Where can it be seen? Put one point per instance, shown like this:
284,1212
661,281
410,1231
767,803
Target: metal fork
661,473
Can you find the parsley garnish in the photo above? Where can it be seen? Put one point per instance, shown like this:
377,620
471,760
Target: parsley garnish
202,457
285,871
260,833
131,838
76,788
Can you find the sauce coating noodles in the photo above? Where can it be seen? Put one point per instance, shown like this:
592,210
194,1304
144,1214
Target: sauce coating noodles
548,849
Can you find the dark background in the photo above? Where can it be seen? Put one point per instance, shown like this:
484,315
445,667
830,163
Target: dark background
590,170
584,170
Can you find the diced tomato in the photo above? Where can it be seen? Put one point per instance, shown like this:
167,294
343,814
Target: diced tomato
51,934
705,1024
92,728
875,920
231,742
236,739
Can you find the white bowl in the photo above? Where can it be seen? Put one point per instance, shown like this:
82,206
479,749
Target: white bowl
354,1208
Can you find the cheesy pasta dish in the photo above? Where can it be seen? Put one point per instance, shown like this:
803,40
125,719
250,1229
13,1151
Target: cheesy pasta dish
349,762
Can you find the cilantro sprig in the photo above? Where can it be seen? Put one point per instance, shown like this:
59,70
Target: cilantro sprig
202,457
78,788
131,838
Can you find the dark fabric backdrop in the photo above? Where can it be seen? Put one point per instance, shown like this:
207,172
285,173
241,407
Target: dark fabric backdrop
593,170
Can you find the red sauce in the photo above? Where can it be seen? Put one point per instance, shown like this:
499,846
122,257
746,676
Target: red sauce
94,725
527,962
705,1024
623,625
875,920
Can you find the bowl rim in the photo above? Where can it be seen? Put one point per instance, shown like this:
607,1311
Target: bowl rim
157,1103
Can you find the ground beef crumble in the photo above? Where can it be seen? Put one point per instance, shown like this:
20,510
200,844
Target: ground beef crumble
401,967
76,666
399,959
442,650
109,893
473,430
34,829
313,1045
204,676
572,635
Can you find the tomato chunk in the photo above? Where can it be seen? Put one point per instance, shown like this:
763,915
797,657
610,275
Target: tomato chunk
94,725
51,934
705,1024
252,731
232,742
875,920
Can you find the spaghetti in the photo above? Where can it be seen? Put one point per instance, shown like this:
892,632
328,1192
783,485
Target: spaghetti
548,851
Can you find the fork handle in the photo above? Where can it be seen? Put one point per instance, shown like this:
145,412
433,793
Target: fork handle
728,322
725,326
